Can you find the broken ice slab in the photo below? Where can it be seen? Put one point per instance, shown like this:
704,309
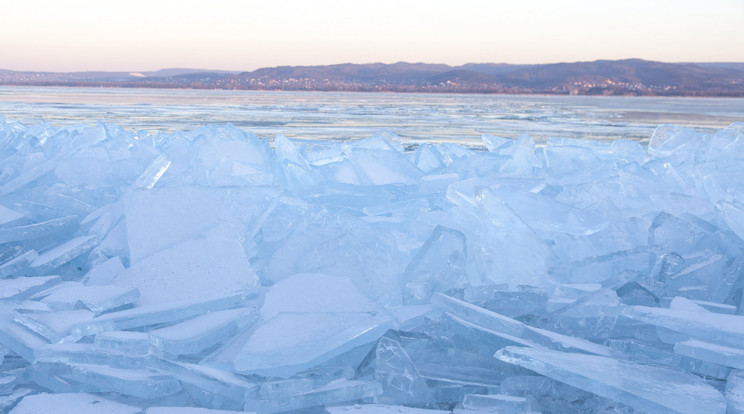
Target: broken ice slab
87,353
600,268
315,292
17,265
514,330
544,394
383,167
192,269
717,354
129,342
669,139
657,353
202,332
57,256
25,287
10,217
390,365
161,218
171,312
644,387
733,215
104,273
438,265
151,175
381,409
292,342
60,228
97,299
495,403
19,338
55,326
514,304
717,328
29,175
224,389
335,393
72,403
70,377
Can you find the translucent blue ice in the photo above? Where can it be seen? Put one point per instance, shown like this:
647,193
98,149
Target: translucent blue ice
208,270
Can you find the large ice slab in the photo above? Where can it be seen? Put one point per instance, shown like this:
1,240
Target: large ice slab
192,269
292,342
644,387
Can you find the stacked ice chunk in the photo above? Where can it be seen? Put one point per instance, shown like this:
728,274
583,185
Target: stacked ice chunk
213,271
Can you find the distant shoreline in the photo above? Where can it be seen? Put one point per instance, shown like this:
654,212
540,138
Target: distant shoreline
390,91
629,77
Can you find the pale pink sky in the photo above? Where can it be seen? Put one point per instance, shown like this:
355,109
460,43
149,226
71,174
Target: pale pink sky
140,35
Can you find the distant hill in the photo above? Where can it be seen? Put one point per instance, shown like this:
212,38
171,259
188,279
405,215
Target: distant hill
601,77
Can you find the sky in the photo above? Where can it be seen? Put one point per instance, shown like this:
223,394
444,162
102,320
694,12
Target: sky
145,35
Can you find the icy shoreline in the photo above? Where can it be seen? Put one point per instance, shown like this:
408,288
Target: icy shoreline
210,269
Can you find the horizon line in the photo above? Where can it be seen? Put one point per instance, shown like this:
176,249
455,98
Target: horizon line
369,63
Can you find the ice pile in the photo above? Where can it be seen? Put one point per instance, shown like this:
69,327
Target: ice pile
212,270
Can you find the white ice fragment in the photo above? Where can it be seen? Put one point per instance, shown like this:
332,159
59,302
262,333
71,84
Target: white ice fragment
645,387
152,173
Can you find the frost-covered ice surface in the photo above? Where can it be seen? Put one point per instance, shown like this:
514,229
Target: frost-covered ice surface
209,271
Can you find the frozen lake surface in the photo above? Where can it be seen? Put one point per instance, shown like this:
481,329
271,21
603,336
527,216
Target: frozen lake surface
332,115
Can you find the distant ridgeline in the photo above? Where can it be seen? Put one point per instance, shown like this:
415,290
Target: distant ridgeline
601,77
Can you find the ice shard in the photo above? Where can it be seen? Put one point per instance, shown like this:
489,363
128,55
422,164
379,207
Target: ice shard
645,387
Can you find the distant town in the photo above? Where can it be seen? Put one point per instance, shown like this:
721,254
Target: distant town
631,77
